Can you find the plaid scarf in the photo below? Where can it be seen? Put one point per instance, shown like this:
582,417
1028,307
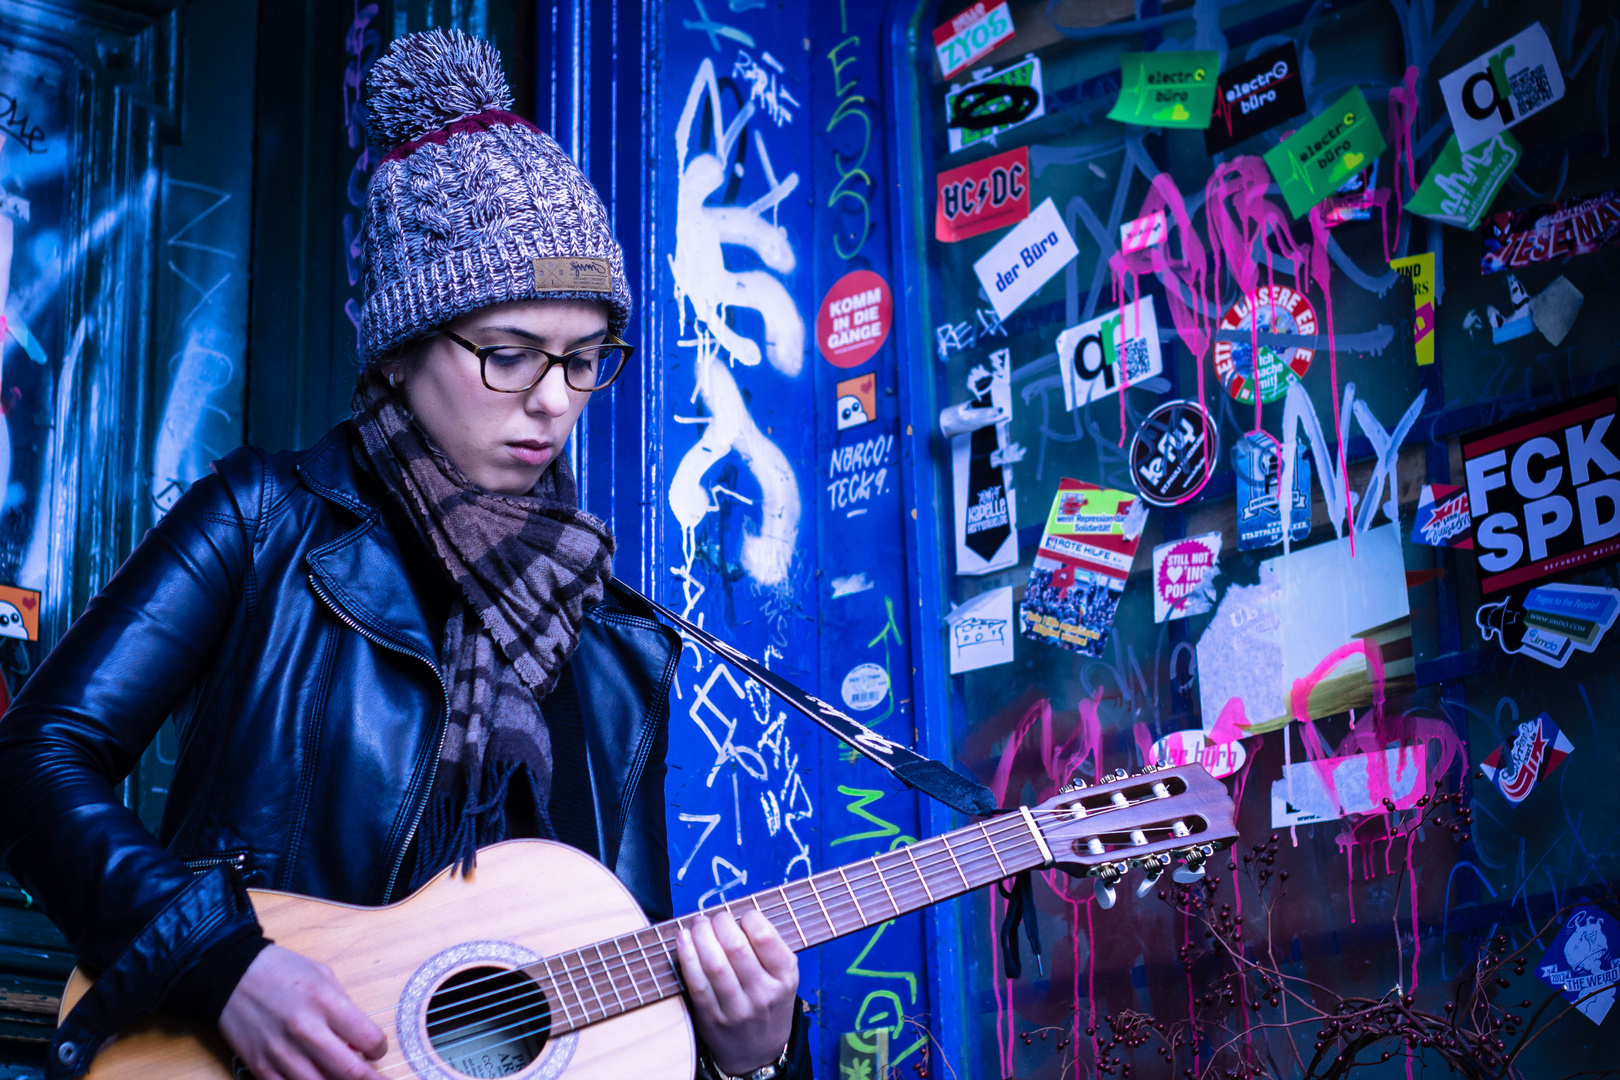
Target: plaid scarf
525,567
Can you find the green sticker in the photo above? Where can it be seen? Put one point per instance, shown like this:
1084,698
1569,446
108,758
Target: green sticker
1314,161
1460,187
1167,89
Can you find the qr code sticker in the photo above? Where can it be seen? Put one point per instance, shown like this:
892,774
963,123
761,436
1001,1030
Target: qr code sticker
1136,358
1531,89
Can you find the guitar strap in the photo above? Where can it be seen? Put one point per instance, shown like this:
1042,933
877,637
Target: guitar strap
928,776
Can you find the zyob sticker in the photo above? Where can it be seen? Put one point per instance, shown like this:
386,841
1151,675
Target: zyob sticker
1518,78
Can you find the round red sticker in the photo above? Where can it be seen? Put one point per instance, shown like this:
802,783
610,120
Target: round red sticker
854,319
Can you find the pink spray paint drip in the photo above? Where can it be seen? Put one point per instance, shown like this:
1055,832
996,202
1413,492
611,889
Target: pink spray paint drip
1320,271
1003,1010
1060,761
1074,971
1091,988
1402,116
1192,317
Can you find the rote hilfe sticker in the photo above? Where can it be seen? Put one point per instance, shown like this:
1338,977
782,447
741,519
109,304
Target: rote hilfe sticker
1461,185
1192,747
1254,97
1081,566
19,613
1000,101
1143,233
854,318
1538,747
865,687
1442,517
1029,256
1257,468
1537,234
1184,576
1583,961
1166,89
856,401
1502,86
1419,270
971,34
1089,354
1544,491
1522,626
1315,161
981,197
1173,453
1278,309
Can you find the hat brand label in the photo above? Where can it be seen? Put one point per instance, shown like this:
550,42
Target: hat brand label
572,275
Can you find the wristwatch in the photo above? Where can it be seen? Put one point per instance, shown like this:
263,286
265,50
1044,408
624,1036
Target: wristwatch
776,1070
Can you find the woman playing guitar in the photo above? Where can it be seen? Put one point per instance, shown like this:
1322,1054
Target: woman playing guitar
388,650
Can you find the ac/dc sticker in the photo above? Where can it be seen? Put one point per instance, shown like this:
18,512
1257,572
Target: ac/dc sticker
1288,328
1173,453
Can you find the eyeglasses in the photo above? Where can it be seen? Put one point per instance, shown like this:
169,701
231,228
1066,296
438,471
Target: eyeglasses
516,369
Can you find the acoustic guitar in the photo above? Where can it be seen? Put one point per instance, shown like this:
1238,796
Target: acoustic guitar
539,964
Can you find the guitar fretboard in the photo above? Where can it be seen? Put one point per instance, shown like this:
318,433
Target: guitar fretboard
624,973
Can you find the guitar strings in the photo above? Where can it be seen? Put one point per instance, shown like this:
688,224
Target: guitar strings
610,967
870,864
623,961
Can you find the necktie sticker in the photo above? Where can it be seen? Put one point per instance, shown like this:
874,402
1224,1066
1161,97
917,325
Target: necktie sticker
1502,86
1315,161
1166,89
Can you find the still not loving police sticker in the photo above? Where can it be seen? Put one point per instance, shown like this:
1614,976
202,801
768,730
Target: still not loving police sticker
1173,452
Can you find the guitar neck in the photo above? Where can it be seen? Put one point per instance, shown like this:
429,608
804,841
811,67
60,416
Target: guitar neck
623,973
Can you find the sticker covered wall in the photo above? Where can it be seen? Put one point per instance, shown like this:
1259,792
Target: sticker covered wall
1266,324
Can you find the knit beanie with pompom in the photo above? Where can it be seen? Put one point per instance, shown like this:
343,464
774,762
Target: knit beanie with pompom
472,205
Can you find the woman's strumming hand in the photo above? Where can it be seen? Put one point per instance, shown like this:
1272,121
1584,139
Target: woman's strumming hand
288,1019
743,982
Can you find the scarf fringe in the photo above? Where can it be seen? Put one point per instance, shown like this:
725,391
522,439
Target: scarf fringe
453,828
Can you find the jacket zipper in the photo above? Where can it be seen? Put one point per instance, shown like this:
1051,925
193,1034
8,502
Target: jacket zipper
236,860
421,809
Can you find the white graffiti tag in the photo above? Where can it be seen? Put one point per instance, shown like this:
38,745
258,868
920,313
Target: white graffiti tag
698,265
702,230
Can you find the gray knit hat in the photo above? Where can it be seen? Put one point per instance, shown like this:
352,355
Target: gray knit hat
472,205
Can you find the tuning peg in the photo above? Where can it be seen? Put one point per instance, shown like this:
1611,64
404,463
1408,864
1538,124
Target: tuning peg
1073,785
1194,869
1148,883
1104,892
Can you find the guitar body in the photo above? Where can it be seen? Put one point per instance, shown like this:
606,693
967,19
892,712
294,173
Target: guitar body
526,900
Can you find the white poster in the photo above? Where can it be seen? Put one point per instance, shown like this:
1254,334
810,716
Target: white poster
1502,86
1306,606
1089,354
1027,257
1327,790
981,631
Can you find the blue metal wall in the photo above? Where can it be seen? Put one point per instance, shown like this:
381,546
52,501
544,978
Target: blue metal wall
743,148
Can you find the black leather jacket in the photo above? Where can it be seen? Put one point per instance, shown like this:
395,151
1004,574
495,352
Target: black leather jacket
272,612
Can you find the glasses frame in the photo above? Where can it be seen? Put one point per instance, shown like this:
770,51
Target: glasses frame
484,352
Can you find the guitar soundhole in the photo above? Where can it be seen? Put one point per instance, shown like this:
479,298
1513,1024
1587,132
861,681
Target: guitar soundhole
488,1021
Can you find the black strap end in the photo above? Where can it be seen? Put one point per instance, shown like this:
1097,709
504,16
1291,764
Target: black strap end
950,787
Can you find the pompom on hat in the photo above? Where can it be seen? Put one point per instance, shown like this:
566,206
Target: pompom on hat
471,205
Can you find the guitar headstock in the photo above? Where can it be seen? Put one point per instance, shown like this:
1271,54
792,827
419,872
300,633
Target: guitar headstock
1145,821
